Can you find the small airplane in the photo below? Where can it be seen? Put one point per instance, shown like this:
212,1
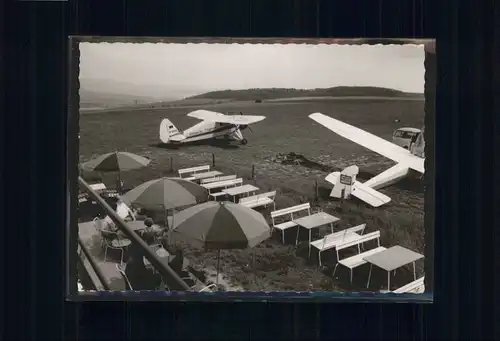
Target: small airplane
214,126
410,162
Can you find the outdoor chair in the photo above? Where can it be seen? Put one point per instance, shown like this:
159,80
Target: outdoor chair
209,288
121,269
112,240
98,227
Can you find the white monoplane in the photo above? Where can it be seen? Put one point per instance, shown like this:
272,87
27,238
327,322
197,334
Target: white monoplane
214,126
409,161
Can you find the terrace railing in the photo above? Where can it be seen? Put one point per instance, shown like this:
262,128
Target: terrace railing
164,270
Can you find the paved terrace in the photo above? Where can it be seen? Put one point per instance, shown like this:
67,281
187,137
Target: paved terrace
91,239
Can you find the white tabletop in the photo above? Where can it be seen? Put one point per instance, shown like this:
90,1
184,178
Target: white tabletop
198,176
98,187
316,220
217,184
393,258
240,190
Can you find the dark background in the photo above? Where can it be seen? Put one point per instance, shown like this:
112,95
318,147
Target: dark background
35,56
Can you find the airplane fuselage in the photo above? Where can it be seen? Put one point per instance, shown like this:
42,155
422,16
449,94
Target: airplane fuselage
214,125
212,130
409,160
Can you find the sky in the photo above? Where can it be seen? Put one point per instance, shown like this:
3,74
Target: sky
189,69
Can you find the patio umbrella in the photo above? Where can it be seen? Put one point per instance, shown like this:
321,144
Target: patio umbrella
115,162
221,225
165,194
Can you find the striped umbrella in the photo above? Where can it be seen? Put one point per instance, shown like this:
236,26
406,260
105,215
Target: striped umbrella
220,225
165,194
116,162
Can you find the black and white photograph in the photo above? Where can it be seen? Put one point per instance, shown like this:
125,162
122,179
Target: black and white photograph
216,167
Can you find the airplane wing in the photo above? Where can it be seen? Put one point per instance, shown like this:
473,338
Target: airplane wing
370,141
207,115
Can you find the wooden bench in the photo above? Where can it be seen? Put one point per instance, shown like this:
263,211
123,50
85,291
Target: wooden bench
192,170
416,286
333,239
285,212
218,178
357,260
258,200
225,184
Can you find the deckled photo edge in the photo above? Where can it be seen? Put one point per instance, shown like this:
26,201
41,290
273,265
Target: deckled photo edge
428,43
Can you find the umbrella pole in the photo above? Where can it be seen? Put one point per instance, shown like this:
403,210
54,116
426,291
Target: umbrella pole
217,275
171,227
119,184
167,227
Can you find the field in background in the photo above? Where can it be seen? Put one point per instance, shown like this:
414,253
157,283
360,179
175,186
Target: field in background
113,102
286,129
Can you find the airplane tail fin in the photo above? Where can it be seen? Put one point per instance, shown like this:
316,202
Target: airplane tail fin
345,185
344,182
168,132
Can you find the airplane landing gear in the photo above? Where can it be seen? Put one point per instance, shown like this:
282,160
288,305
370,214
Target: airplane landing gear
244,141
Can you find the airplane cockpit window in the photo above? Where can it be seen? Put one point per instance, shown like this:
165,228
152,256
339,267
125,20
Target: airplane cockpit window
408,135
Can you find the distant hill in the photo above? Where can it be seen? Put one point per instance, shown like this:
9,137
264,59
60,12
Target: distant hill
95,99
274,93
111,101
160,92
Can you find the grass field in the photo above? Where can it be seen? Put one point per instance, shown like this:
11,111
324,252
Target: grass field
287,129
